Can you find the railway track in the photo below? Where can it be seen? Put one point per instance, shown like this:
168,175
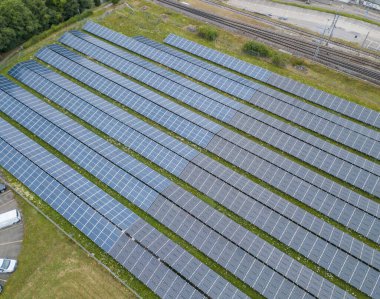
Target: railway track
342,61
306,34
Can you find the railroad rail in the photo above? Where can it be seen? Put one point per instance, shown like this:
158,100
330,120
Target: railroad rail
304,33
342,61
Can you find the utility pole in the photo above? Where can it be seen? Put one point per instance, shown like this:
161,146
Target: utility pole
320,42
365,39
336,17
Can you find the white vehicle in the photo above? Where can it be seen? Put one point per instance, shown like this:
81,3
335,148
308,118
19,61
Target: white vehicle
9,218
7,265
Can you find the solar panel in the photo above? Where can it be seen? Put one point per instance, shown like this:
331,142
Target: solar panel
255,72
343,135
70,87
165,81
361,223
118,124
162,209
327,100
144,101
330,155
302,115
195,204
59,186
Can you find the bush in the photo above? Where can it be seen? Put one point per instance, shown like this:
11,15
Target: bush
115,1
297,61
256,49
279,60
207,33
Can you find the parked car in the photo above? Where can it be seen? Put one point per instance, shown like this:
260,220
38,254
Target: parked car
9,218
2,188
7,265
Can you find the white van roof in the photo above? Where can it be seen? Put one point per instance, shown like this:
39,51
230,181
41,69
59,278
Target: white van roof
9,214
9,218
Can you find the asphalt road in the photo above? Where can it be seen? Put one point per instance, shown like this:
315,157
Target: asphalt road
10,237
347,29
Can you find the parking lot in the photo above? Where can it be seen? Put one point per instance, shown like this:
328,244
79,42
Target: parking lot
10,237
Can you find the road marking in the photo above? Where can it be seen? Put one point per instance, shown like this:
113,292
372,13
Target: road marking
18,241
6,203
13,226
6,192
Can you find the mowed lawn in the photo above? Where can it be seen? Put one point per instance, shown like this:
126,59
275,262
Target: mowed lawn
53,266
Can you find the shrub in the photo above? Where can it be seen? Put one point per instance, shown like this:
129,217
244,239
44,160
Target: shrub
279,61
297,61
115,1
256,49
207,33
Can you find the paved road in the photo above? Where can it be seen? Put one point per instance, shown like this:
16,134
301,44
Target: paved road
10,237
348,29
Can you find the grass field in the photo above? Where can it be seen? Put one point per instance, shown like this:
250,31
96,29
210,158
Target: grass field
71,273
53,266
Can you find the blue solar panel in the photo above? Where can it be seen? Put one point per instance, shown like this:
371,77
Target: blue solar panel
322,201
106,235
133,184
255,72
173,198
347,136
326,100
125,128
330,157
46,129
81,214
154,76
146,102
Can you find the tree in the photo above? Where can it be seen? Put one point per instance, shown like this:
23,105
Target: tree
85,4
17,23
70,8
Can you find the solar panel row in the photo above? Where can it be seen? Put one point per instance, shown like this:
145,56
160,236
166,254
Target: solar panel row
166,268
307,92
328,157
327,100
142,71
231,83
180,221
279,101
301,239
57,80
363,222
80,202
131,67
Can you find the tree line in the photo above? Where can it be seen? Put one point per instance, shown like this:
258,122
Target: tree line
21,19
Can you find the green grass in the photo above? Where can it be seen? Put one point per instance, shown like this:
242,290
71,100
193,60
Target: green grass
141,213
211,202
156,22
203,197
326,10
52,266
